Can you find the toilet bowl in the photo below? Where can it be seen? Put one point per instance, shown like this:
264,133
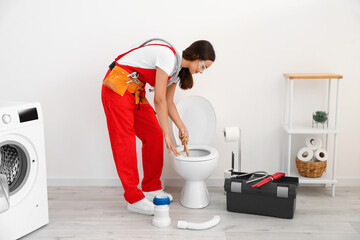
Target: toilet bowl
199,118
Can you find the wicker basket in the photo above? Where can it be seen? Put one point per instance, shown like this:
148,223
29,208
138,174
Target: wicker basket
310,169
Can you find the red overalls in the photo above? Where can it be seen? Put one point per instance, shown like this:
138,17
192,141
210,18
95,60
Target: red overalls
125,120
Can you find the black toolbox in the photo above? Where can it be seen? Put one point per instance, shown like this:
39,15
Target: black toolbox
276,198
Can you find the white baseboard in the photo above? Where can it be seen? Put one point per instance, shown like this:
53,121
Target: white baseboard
219,182
348,181
171,182
83,182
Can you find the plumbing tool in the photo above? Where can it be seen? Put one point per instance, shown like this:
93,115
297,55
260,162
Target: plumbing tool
161,211
186,149
254,175
269,179
199,226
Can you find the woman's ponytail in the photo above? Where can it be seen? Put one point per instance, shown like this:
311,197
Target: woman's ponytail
186,79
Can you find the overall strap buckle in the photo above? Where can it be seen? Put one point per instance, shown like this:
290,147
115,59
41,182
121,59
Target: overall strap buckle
112,65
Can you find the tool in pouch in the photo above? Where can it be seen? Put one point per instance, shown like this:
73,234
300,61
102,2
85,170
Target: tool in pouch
119,80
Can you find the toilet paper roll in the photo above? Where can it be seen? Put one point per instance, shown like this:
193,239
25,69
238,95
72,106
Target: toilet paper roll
321,155
305,154
232,134
313,143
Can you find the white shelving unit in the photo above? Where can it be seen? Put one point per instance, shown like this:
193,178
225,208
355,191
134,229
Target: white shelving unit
292,129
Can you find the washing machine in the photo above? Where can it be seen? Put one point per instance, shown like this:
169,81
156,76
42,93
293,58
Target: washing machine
23,190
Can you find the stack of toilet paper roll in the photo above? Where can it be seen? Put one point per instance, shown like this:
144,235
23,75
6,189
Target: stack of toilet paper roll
311,160
313,151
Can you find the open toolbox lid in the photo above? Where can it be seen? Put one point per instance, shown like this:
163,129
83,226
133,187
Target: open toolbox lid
4,194
284,187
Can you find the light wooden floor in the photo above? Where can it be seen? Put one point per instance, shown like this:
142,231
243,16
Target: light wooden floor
100,213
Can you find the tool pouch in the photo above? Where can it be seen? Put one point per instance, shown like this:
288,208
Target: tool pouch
118,81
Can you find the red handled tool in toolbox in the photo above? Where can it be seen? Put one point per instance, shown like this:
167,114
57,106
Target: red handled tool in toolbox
269,179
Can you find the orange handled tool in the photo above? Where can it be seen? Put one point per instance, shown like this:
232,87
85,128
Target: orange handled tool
269,179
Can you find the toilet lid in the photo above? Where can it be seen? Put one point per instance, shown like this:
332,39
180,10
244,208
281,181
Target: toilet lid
199,117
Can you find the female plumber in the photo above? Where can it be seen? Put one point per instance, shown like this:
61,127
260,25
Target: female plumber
128,114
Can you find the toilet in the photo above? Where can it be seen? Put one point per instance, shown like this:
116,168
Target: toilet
198,115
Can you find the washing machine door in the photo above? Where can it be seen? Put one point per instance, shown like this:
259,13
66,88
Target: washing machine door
4,194
19,165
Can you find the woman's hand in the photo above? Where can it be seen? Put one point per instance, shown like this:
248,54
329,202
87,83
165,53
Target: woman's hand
184,135
170,146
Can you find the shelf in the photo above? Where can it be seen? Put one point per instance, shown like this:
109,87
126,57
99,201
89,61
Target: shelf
291,128
312,76
324,179
309,130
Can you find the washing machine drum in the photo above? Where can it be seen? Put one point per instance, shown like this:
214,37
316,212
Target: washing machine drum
13,165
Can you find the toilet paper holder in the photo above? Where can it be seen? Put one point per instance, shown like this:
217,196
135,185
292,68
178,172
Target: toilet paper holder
239,147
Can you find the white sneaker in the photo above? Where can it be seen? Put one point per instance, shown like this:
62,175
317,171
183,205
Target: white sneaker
143,206
151,195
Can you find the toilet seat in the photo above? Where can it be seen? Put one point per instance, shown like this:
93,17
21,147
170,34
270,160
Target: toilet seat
213,153
199,117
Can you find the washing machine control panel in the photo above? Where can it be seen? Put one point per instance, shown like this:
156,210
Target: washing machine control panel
6,118
18,116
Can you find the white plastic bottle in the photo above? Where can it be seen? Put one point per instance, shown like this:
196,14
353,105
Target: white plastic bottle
161,211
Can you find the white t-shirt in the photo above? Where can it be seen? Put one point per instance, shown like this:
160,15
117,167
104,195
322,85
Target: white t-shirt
150,57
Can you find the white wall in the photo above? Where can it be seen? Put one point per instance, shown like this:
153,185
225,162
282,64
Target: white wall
57,52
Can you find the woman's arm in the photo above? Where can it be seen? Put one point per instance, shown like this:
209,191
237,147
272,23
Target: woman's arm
160,102
174,115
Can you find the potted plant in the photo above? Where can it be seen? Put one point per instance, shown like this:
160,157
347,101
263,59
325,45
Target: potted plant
320,117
